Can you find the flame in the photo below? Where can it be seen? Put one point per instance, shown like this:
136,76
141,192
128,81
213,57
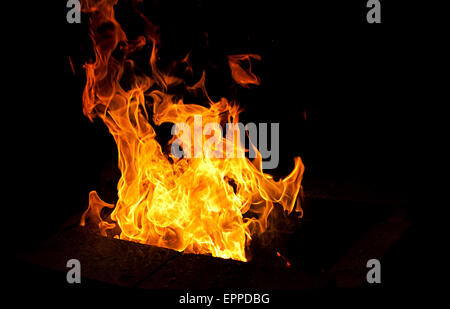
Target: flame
240,75
203,204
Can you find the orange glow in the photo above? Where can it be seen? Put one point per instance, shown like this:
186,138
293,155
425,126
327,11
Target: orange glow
202,204
72,67
288,264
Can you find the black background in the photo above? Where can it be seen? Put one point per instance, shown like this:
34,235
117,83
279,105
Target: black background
358,85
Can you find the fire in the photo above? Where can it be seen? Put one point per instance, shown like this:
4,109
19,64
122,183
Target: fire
201,203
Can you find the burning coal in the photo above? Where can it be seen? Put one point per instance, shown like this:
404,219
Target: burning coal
199,203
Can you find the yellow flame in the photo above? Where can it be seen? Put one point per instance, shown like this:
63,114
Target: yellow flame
192,204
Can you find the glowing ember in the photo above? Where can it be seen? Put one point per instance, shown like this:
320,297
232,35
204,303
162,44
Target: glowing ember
193,203
288,264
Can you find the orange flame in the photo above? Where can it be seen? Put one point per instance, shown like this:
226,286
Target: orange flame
196,204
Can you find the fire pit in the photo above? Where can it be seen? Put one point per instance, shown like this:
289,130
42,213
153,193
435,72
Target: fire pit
194,193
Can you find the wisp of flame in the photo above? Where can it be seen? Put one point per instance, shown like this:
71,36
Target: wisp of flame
201,204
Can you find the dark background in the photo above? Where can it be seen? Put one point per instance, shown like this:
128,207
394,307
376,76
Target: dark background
347,96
